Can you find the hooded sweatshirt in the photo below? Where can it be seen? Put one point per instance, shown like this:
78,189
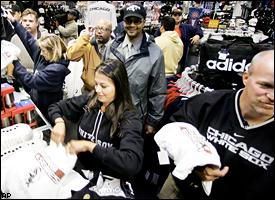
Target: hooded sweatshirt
120,157
172,48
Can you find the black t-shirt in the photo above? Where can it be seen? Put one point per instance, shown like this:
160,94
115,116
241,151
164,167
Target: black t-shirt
247,150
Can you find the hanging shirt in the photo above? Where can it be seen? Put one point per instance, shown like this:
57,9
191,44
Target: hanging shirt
101,10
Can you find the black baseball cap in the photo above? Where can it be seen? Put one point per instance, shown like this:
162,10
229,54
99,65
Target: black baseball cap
135,10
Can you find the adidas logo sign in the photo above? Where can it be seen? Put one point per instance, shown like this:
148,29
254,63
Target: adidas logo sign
228,65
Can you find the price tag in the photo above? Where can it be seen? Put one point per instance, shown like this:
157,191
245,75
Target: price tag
163,158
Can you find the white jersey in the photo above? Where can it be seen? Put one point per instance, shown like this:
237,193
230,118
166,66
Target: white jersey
100,10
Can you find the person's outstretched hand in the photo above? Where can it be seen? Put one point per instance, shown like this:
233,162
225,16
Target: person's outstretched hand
211,172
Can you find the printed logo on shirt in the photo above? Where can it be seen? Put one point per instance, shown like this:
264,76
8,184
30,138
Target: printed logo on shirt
100,9
91,137
198,140
242,149
53,172
237,135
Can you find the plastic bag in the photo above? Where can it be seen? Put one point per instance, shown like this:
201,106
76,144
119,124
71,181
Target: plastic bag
9,53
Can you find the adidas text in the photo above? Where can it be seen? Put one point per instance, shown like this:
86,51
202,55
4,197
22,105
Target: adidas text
228,65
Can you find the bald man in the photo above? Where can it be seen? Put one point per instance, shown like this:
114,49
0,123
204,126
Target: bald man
103,31
90,46
240,124
257,98
100,35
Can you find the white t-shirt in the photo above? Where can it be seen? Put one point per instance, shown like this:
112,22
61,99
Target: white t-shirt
100,10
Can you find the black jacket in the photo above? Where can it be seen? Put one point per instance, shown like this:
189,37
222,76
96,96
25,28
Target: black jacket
47,80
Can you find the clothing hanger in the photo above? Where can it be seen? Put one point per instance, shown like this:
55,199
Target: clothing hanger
189,87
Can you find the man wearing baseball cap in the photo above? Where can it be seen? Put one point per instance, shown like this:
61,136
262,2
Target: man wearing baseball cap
144,63
188,34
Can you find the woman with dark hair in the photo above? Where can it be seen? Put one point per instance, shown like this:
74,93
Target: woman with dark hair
109,131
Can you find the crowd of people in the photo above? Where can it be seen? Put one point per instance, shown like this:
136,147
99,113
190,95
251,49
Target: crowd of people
122,103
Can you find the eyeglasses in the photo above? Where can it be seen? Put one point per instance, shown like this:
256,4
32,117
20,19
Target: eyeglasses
101,28
136,21
176,14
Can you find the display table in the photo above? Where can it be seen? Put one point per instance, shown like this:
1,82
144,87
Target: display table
43,128
19,108
231,32
213,33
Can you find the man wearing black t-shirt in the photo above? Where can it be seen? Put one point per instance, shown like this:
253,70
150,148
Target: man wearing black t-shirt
240,124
